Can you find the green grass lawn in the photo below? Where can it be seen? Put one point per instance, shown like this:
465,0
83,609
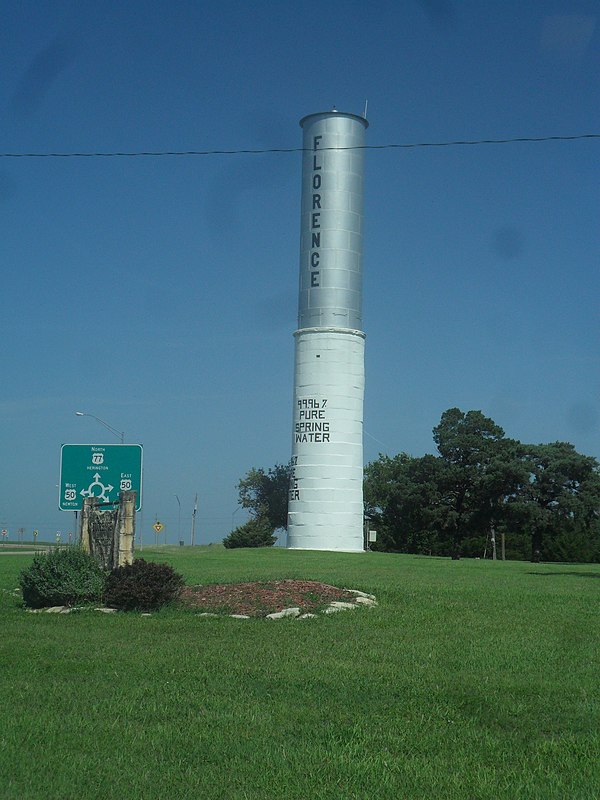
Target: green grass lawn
471,680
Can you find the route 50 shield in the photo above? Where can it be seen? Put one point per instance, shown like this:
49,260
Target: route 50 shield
98,470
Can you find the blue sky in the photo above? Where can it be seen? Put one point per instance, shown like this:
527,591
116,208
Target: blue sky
160,294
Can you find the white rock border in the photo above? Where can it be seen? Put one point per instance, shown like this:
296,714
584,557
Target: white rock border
70,609
361,600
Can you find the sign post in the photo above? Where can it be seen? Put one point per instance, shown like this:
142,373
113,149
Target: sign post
158,526
100,471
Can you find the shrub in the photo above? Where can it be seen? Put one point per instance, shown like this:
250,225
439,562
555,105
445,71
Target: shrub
257,532
142,586
63,576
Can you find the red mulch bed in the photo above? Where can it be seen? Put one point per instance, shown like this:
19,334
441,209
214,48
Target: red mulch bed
261,598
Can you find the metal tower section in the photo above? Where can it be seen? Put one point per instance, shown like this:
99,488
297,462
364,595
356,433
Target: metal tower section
325,509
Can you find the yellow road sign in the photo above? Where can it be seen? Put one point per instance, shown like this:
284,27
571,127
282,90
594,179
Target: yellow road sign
158,526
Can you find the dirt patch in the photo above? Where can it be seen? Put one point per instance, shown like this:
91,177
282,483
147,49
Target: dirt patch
261,598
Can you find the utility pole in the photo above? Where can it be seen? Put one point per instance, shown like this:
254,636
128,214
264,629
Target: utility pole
193,536
178,520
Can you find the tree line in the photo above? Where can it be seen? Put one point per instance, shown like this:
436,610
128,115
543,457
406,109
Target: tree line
542,501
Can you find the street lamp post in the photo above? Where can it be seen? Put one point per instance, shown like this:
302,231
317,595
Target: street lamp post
178,519
114,431
194,512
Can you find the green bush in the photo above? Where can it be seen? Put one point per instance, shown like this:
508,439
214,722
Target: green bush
142,586
62,577
257,532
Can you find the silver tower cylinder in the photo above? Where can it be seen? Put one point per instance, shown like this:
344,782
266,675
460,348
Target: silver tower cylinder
325,509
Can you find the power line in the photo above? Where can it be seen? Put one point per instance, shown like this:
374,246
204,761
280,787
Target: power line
400,146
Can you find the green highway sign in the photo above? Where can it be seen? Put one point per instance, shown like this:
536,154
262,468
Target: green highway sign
98,470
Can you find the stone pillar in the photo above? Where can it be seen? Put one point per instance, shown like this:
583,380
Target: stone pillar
126,528
109,533
84,523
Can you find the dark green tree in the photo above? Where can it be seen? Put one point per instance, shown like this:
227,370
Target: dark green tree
561,496
257,532
265,494
502,480
385,488
403,500
470,445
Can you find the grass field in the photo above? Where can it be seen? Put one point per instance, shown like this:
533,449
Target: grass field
471,680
